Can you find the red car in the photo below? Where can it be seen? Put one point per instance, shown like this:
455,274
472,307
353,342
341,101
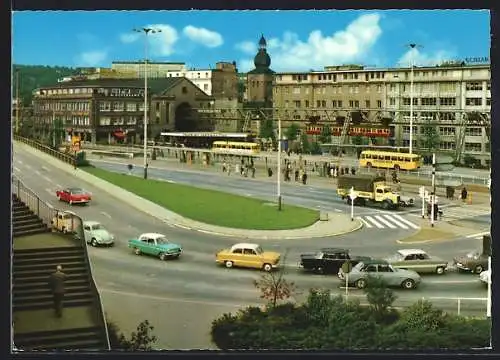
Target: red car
73,196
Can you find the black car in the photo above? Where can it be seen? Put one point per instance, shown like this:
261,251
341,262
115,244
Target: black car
328,260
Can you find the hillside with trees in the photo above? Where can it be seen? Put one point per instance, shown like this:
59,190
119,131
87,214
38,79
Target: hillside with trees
32,77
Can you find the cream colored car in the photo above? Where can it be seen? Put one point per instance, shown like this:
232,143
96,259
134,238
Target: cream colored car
249,256
65,221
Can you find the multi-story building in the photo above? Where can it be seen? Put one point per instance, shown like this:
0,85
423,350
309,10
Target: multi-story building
113,109
455,99
155,69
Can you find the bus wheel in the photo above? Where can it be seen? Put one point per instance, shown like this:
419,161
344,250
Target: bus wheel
369,164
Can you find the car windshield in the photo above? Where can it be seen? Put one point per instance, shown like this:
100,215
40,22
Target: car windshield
318,255
473,254
359,266
259,250
161,240
76,191
97,227
396,257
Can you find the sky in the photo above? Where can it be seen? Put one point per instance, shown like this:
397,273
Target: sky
296,40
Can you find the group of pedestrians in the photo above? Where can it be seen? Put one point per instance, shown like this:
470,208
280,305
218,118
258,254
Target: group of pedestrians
243,168
334,171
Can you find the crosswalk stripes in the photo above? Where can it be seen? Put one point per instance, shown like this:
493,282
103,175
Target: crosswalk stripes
463,212
391,221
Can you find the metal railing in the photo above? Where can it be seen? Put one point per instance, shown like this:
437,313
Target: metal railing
67,158
74,225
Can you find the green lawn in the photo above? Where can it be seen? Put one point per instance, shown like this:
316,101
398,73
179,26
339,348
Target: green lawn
212,207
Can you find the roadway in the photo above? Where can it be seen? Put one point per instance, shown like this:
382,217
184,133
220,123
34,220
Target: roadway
182,297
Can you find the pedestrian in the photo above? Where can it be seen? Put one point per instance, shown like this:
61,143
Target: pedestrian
130,167
304,178
296,175
353,171
269,172
335,172
224,167
464,194
253,171
56,282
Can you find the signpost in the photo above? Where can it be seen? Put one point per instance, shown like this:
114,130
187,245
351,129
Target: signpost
346,269
421,193
433,194
352,196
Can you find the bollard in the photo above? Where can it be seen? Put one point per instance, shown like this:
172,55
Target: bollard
458,306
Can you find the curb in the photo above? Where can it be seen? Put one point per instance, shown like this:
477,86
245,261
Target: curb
63,166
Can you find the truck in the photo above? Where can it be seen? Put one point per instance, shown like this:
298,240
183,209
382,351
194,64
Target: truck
369,190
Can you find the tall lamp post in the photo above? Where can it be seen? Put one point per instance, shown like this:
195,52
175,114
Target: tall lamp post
279,164
412,47
146,32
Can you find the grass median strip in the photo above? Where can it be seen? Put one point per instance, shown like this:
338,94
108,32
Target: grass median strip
212,207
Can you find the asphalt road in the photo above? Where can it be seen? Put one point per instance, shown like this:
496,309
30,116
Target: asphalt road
182,297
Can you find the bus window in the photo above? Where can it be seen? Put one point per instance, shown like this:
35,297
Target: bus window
400,158
387,158
407,159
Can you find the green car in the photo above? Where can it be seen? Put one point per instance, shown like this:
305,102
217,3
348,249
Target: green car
418,261
156,245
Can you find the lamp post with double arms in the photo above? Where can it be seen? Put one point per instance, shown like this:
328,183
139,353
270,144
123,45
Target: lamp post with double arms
146,32
412,54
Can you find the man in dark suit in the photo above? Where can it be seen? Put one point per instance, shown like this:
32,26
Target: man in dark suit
56,282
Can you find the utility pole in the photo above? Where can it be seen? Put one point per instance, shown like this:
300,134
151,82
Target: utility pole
412,47
54,129
433,196
18,105
146,31
279,163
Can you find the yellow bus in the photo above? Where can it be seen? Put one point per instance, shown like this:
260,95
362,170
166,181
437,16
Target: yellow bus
236,148
389,160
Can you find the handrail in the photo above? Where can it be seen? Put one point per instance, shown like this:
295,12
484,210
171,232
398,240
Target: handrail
47,213
67,158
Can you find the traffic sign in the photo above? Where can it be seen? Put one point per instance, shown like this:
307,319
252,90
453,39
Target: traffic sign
352,194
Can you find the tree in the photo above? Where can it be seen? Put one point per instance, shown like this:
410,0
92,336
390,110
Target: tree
274,287
430,137
267,129
306,146
357,140
380,297
326,135
315,148
292,132
140,340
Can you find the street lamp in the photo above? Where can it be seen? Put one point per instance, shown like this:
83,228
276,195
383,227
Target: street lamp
279,163
412,46
146,32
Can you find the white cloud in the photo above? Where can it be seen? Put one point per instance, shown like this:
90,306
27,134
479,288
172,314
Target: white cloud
161,44
425,59
349,45
248,47
203,36
92,58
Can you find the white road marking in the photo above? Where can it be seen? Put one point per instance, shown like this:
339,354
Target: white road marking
171,181
45,168
366,223
337,210
27,166
37,172
452,281
400,224
478,234
19,162
374,222
384,221
106,214
248,195
399,217
16,169
46,178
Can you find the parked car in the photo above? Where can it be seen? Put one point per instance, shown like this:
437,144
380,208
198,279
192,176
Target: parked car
249,256
328,260
406,201
485,277
474,261
97,235
74,196
65,221
156,245
360,274
417,260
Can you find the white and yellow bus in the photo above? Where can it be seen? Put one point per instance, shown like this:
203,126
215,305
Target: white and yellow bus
389,160
235,148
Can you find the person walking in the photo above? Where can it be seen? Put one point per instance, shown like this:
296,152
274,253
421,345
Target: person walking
56,282
464,194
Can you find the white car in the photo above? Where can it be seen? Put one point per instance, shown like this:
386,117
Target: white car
485,277
97,235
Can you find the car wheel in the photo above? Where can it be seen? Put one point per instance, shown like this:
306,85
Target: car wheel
319,270
408,284
93,242
361,283
137,251
440,270
229,264
478,269
162,256
267,267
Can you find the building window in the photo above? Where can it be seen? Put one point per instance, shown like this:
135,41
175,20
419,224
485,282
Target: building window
429,101
297,103
379,104
131,106
425,115
473,86
356,103
406,101
344,76
205,87
318,103
104,106
339,102
448,101
286,103
351,103
296,90
334,103
474,131
447,145
488,101
445,87
392,87
118,106
406,129
447,116
323,103
488,86
307,103
329,76
392,101
334,77
447,131
184,90
104,120
367,104
473,101
473,147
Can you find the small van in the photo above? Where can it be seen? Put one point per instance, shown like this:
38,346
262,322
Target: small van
65,221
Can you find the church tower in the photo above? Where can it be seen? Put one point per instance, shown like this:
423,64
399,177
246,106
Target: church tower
260,80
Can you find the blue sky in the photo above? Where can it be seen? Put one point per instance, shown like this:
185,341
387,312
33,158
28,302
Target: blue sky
297,40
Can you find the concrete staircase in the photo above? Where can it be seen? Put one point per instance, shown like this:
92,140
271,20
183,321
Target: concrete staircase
31,294
24,221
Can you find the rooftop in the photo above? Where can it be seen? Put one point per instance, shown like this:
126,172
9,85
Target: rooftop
245,245
149,62
406,252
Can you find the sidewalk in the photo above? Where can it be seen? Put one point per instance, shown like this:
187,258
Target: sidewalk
336,224
261,175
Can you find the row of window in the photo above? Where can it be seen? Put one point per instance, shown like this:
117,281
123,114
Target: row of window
335,104
119,120
448,101
477,86
354,89
446,130
451,145
121,106
63,106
